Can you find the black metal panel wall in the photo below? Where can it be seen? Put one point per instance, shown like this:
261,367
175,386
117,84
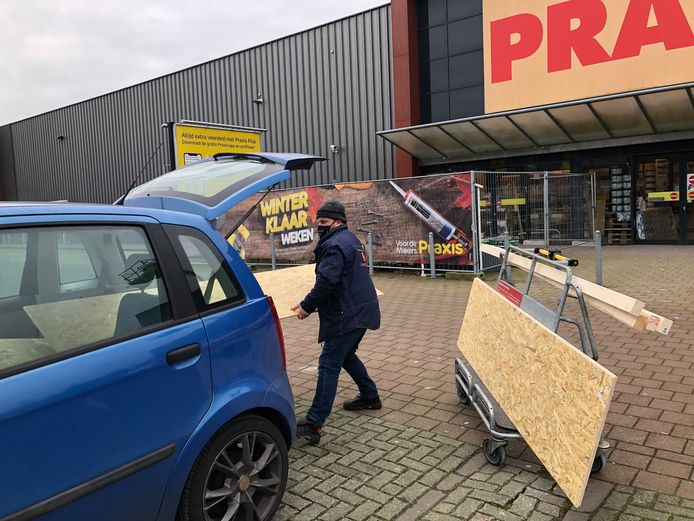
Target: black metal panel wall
451,59
331,85
8,188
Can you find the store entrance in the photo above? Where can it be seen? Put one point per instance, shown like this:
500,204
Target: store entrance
665,199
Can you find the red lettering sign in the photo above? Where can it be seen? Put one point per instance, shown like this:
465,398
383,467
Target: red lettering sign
672,30
504,52
562,40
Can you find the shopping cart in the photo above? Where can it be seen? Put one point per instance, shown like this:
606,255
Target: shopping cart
472,391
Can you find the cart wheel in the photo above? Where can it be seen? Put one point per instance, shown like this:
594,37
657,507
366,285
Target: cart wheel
461,393
598,464
496,457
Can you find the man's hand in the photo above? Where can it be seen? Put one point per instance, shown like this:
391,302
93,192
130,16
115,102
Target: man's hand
300,313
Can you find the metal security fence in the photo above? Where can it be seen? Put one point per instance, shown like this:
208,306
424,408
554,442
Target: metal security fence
429,224
548,208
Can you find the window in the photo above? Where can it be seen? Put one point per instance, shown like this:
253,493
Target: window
209,278
71,287
13,254
73,259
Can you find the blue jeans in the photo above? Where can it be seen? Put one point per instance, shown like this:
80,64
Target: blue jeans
339,353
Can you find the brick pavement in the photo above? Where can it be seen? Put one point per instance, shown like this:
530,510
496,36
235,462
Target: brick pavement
368,468
651,420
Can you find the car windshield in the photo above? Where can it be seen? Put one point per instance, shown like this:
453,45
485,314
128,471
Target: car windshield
208,182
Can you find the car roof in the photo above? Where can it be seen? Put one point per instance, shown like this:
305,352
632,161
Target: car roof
13,209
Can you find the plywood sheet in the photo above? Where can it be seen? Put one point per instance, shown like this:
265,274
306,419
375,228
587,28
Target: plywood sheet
289,286
556,396
51,319
17,351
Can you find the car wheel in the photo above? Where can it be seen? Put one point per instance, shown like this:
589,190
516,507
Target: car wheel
241,474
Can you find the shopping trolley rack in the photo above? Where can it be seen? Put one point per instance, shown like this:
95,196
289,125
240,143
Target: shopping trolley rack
471,389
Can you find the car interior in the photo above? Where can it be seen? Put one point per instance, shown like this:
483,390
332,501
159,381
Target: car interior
67,287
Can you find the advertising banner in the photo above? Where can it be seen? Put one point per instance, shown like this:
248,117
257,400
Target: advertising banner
579,49
399,214
196,142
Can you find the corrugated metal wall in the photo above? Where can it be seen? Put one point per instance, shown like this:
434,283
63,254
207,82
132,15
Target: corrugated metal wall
331,85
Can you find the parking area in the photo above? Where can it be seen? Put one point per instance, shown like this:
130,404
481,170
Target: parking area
419,457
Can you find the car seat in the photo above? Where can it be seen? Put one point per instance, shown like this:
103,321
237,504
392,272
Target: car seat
139,310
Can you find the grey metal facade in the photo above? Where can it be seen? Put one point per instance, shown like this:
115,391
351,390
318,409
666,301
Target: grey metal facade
331,85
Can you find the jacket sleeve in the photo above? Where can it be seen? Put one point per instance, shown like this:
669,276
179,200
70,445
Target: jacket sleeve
328,278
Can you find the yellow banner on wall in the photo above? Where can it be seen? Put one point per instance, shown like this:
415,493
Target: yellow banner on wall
194,142
538,52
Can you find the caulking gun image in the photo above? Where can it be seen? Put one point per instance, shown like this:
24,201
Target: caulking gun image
433,219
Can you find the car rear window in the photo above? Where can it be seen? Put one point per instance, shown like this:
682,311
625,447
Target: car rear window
208,182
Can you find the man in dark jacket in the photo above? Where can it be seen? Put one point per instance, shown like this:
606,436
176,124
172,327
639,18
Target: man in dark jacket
347,305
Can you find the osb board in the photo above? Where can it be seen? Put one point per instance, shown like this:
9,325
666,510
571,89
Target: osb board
289,286
65,324
16,351
556,396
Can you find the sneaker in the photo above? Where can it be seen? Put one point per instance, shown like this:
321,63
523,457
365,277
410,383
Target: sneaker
306,430
360,403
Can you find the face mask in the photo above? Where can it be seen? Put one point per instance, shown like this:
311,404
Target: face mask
323,231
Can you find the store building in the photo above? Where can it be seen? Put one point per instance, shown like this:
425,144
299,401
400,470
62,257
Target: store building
323,91
420,87
601,86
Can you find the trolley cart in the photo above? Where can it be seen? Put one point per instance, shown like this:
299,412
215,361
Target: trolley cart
472,391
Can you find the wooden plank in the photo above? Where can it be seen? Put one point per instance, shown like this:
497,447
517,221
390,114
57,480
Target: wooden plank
656,322
644,321
556,396
590,289
289,286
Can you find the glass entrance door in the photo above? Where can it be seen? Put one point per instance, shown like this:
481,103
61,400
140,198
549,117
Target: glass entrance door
664,198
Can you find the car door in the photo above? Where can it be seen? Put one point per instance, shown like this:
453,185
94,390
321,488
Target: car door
104,368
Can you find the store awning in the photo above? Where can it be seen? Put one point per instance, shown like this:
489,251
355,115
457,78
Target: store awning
660,114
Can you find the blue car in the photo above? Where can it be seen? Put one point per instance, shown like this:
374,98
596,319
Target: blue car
142,369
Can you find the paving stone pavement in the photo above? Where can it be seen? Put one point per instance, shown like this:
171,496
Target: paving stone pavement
651,420
368,468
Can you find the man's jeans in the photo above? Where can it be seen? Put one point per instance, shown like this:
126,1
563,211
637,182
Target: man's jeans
338,353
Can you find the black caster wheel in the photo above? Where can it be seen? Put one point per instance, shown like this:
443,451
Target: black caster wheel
462,396
598,464
495,457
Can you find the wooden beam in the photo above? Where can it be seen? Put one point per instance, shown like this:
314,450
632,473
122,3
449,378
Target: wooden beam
656,322
590,289
644,321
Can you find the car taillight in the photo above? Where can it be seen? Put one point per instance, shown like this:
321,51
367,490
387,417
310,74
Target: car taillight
278,325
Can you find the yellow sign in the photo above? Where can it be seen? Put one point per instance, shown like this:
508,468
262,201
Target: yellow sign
664,196
513,202
194,143
538,52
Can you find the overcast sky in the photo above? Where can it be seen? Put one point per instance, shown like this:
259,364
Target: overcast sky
54,53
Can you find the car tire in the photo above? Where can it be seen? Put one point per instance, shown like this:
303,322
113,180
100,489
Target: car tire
242,469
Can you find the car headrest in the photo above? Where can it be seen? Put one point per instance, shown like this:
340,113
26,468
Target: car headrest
140,269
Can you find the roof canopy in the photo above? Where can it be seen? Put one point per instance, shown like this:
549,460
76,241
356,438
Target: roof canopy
659,114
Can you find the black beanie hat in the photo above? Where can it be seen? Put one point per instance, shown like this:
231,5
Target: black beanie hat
332,210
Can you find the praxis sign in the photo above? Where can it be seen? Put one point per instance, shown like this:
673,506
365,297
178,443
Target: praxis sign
539,52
